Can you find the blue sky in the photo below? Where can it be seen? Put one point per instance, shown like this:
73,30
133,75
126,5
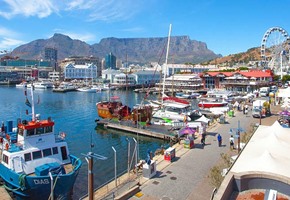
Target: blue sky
226,26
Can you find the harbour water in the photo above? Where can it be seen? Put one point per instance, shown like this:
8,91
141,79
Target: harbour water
75,113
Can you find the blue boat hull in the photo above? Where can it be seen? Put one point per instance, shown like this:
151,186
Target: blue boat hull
39,187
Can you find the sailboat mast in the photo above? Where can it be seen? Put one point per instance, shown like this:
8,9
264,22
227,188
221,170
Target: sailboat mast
166,60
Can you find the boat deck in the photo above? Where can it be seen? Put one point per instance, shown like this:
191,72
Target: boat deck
157,131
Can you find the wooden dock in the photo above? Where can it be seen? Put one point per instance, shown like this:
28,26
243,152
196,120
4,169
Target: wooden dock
155,131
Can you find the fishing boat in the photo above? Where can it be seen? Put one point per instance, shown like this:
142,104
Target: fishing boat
35,161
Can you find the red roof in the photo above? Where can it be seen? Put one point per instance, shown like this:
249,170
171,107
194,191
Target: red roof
249,74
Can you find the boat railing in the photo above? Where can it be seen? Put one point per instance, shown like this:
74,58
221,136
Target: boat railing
59,137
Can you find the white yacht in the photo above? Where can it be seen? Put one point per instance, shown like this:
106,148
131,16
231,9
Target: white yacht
178,112
41,85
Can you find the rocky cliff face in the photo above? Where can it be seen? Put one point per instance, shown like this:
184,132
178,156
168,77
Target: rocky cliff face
134,50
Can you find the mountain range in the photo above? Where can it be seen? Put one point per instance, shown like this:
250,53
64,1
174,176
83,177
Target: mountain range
132,50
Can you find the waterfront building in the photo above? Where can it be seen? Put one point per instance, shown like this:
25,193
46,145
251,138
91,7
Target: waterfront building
81,72
244,81
145,77
55,76
124,79
82,60
25,69
188,68
108,75
111,61
182,82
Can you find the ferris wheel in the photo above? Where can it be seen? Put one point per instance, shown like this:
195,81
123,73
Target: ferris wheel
275,47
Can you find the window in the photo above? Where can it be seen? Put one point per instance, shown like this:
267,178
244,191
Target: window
39,131
30,132
64,153
46,152
54,150
36,155
5,159
48,129
27,157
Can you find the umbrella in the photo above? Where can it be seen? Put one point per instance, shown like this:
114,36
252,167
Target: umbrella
186,131
285,113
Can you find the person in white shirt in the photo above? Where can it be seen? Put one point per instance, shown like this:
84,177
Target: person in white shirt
232,142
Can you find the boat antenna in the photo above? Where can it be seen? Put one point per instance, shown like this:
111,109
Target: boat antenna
166,61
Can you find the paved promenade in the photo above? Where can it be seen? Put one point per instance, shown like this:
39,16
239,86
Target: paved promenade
186,178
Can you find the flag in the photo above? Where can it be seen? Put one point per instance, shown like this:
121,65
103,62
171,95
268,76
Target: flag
28,103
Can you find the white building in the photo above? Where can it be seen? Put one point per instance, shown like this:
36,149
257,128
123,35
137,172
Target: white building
55,76
109,74
147,77
125,79
87,71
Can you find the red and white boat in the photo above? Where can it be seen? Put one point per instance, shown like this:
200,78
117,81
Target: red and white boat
210,103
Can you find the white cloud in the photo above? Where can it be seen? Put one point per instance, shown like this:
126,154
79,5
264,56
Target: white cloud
39,8
133,30
109,10
9,43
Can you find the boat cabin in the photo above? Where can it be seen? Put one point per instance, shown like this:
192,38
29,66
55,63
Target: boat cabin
36,145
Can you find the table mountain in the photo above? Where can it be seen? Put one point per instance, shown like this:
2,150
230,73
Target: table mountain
134,50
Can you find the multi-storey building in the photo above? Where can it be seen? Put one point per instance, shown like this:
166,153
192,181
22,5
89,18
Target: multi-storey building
111,61
82,72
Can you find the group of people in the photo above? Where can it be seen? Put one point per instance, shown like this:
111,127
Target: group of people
231,140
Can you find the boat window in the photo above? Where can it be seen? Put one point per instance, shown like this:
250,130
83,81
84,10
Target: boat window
46,152
48,129
5,158
30,132
36,155
27,157
39,130
20,131
63,153
54,150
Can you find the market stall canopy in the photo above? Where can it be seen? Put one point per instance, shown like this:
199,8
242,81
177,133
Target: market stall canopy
266,152
202,119
284,93
186,131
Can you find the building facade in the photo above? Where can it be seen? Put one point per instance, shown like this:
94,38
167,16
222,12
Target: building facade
82,60
111,61
80,72
144,77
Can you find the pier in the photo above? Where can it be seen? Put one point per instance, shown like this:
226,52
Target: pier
152,130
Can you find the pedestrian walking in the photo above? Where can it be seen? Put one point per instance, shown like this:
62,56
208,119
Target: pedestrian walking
219,138
203,139
232,142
